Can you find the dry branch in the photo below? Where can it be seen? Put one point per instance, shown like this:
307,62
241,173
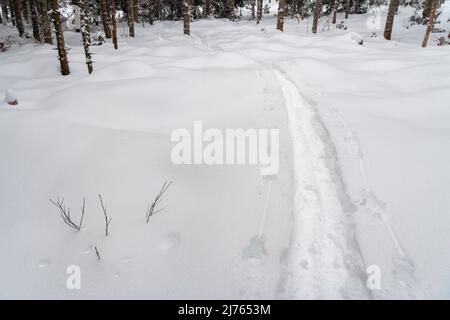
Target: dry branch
151,208
65,213
107,221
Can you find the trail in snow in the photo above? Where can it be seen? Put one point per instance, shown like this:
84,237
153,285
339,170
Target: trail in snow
324,260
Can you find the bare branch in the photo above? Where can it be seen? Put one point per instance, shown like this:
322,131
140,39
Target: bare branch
64,212
151,208
107,221
96,252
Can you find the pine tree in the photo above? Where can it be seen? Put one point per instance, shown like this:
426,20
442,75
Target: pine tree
18,16
186,16
393,7
105,18
136,10
207,10
317,12
35,20
280,18
230,10
335,5
430,23
4,12
44,21
114,23
62,54
85,33
130,18
259,9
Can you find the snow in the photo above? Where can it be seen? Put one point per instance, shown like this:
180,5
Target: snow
364,135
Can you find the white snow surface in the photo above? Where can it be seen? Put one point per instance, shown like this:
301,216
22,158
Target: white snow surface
363,180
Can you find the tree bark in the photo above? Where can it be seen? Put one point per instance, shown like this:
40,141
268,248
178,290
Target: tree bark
136,10
130,18
185,9
114,24
280,18
85,34
105,18
230,10
259,9
4,12
393,7
427,5
347,8
18,16
62,54
208,4
430,22
35,20
317,12
335,6
45,21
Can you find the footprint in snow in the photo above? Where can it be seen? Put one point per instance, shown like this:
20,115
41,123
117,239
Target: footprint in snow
168,241
44,263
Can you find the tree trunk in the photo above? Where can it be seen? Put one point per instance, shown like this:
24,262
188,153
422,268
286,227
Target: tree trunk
105,18
114,23
45,21
280,18
230,10
136,10
393,7
426,10
18,16
259,9
430,23
185,9
25,12
335,6
85,34
62,54
4,12
35,20
347,8
208,8
317,12
130,18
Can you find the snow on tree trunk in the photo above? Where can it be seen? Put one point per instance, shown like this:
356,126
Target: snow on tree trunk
259,9
44,21
430,22
35,20
18,16
4,12
335,5
130,18
317,12
114,23
186,16
62,54
393,7
105,18
280,18
85,34
11,98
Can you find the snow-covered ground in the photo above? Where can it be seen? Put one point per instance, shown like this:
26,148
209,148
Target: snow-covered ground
364,144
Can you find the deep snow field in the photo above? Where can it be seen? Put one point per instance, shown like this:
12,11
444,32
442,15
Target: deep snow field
363,180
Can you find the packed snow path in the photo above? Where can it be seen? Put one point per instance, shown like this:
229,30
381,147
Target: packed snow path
324,260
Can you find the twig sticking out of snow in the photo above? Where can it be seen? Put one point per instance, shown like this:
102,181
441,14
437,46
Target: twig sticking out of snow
65,213
151,208
107,221
97,254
